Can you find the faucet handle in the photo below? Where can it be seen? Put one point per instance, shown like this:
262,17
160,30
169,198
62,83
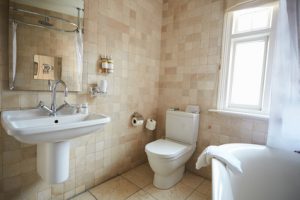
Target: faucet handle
41,103
67,104
42,106
71,107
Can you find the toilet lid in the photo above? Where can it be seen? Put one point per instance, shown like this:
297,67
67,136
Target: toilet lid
166,148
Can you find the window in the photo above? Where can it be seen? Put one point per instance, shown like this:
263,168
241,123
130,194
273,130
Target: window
245,74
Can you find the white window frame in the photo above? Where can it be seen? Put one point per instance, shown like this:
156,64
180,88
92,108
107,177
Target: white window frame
225,77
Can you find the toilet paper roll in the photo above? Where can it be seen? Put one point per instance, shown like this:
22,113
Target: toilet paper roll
137,121
151,124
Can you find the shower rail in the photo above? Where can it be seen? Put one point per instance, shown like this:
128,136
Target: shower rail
47,16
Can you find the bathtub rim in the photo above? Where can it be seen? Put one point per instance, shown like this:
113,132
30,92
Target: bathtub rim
221,180
221,186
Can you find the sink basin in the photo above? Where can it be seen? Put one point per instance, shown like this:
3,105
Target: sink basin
35,126
52,135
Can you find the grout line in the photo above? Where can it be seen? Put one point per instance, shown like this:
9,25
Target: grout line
132,194
143,191
135,183
151,195
191,193
148,185
92,195
195,190
74,196
121,175
130,181
140,188
104,182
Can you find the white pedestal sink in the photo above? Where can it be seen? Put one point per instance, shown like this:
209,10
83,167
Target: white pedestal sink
52,135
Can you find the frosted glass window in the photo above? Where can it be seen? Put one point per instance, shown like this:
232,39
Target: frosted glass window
247,73
251,20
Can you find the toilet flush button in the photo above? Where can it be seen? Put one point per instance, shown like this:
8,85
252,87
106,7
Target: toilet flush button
192,109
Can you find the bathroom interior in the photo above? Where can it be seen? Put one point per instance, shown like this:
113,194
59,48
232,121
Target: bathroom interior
149,99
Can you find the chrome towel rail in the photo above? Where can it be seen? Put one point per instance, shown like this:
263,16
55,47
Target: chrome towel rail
76,26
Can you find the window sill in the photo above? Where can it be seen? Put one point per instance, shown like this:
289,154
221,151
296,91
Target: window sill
240,114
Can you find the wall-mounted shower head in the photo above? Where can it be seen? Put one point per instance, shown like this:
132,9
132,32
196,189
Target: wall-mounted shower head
45,22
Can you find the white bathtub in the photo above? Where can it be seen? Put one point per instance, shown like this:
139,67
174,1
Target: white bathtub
268,174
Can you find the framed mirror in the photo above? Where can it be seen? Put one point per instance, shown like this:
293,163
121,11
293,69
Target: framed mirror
45,43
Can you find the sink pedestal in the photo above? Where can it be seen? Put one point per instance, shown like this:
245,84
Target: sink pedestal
53,161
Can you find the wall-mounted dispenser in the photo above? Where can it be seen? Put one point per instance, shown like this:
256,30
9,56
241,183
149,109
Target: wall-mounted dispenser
106,64
100,89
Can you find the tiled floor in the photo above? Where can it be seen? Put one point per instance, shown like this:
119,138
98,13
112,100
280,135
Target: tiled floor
136,184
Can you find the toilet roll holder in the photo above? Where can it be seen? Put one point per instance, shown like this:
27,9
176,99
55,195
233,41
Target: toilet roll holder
137,119
138,115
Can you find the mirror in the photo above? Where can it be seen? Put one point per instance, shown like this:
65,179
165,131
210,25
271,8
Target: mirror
45,43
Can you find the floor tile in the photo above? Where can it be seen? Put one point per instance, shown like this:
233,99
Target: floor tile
205,187
115,189
141,175
84,196
141,195
128,186
198,196
179,192
192,180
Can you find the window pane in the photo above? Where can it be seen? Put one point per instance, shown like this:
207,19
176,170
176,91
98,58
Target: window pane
248,70
252,19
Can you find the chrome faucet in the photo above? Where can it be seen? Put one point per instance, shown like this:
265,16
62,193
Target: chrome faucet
53,110
53,96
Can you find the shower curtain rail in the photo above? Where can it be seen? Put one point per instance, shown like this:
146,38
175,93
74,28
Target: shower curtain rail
46,16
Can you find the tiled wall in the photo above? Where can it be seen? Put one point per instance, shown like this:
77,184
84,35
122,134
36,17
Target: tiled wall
189,72
131,32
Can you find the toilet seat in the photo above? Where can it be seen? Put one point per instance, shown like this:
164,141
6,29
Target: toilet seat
168,149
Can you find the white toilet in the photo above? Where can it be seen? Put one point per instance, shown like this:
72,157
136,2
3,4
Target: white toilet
167,157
